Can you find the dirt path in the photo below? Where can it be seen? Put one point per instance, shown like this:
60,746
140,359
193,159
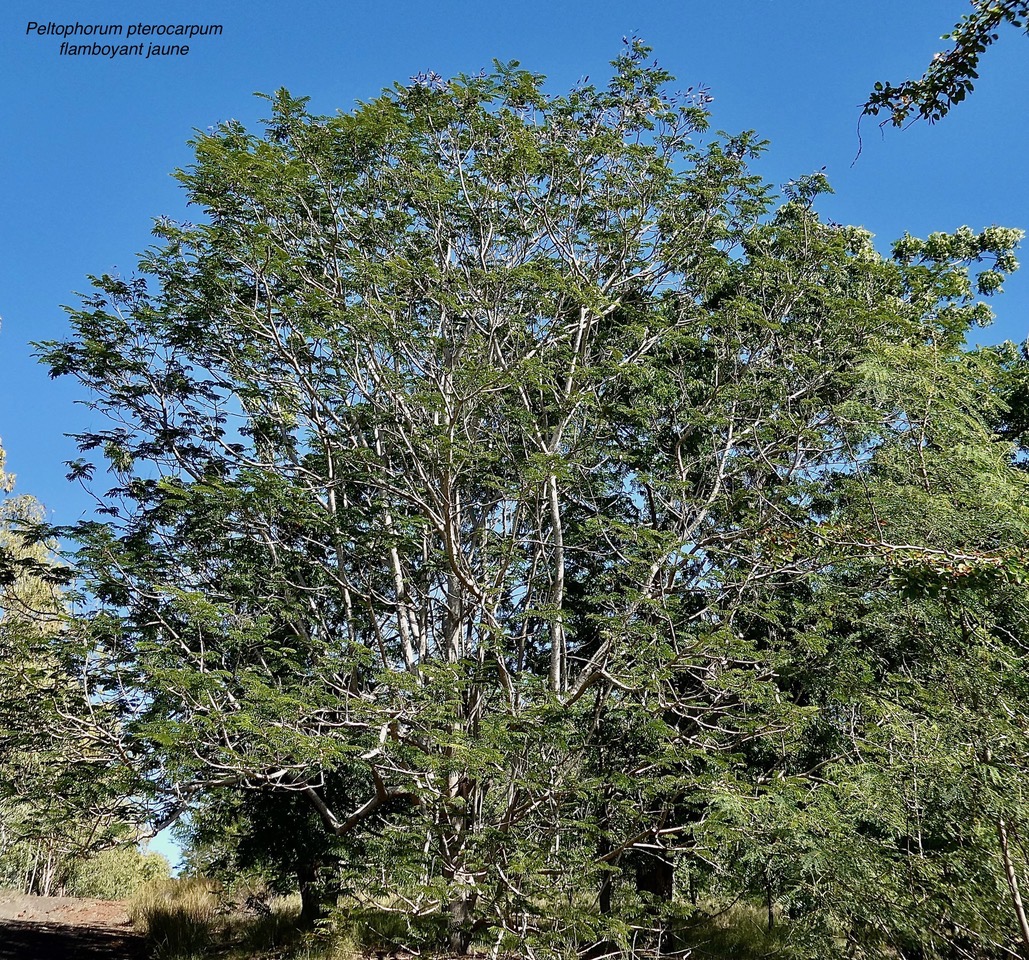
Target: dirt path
63,928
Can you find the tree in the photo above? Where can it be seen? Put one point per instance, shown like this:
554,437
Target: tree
58,803
273,839
514,481
949,77
34,849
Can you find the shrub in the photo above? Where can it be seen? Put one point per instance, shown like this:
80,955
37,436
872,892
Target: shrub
116,874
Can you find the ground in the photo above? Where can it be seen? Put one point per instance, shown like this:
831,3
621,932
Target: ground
64,928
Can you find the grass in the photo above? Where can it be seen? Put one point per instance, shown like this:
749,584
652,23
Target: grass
180,918
197,919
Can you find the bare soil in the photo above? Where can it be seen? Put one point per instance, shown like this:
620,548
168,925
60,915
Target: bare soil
66,928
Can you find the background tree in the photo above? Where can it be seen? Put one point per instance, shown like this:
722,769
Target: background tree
61,800
949,77
34,849
267,839
574,528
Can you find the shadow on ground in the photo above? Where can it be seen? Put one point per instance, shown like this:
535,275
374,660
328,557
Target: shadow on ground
23,940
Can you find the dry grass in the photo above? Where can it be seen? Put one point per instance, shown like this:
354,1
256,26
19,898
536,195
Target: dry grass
192,919
181,918
197,919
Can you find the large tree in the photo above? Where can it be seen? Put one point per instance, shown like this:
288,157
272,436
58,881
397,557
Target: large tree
567,522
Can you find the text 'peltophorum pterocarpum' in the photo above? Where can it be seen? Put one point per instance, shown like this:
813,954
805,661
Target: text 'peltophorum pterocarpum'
115,32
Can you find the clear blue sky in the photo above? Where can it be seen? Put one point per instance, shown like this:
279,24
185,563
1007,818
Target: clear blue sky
90,143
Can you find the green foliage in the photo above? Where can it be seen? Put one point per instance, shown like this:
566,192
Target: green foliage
117,873
525,525
949,77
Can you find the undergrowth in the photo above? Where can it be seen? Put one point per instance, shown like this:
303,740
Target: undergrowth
198,919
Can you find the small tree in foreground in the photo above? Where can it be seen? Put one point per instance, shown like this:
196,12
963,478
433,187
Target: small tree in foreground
586,538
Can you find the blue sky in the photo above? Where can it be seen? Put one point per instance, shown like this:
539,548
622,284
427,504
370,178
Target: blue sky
91,144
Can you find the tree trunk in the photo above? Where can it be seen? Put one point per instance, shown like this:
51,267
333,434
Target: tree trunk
656,875
1012,878
603,849
606,886
459,932
310,902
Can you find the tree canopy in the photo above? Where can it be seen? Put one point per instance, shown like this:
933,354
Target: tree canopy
584,539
